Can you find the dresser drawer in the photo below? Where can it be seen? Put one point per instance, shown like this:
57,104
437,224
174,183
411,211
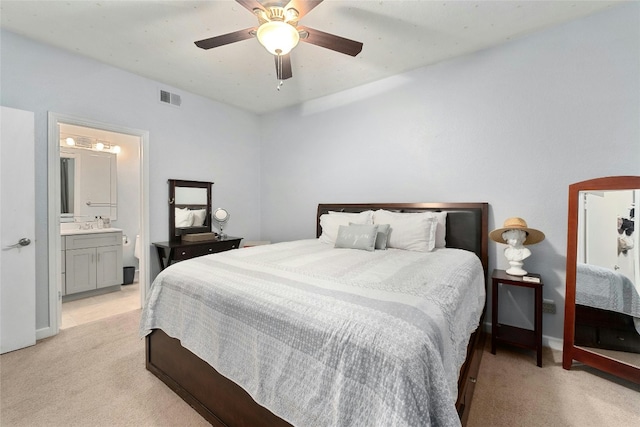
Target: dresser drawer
93,240
192,251
169,252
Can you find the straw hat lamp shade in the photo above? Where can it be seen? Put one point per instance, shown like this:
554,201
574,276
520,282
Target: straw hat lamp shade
533,236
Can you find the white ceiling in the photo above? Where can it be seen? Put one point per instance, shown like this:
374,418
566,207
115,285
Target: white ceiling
155,39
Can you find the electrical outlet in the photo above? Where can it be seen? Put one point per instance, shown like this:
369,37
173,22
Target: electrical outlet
548,306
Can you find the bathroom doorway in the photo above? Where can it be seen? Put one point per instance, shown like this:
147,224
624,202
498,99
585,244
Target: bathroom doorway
127,211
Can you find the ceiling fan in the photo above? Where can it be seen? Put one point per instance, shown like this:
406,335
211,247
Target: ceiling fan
278,31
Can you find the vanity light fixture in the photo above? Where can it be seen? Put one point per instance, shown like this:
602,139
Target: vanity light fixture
88,143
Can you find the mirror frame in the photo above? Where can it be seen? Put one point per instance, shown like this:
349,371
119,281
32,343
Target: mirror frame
572,352
174,235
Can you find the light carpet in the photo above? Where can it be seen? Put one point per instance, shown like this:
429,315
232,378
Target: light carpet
94,375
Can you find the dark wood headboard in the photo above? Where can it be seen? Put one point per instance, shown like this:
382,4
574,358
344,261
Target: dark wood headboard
466,222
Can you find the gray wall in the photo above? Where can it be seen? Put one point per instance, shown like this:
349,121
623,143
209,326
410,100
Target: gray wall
202,140
512,126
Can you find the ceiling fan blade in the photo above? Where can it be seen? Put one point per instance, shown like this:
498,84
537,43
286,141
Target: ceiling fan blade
250,4
283,67
236,36
303,6
331,41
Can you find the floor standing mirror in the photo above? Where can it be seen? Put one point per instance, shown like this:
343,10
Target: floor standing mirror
602,304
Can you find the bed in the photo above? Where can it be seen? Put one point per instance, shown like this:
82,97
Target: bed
607,309
375,351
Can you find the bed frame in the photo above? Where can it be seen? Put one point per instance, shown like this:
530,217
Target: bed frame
604,329
224,403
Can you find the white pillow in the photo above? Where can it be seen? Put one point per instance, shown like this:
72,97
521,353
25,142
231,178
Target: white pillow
409,231
441,229
330,223
184,217
366,214
199,217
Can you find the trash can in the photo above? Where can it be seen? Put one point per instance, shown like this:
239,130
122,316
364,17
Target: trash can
128,275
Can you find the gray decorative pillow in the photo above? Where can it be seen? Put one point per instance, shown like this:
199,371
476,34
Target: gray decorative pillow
383,235
357,236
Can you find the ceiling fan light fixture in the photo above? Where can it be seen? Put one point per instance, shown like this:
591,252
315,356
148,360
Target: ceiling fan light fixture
278,37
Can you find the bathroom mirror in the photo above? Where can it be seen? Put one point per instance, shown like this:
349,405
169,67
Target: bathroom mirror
602,304
189,208
67,188
88,184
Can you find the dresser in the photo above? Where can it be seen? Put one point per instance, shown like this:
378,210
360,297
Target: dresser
169,252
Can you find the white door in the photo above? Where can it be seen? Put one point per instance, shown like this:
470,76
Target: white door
602,211
17,230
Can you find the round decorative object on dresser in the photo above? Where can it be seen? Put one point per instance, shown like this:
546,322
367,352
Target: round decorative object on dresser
221,216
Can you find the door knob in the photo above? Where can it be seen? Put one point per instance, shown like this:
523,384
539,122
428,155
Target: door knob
22,242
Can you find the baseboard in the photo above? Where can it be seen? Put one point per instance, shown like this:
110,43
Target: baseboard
552,342
45,332
547,341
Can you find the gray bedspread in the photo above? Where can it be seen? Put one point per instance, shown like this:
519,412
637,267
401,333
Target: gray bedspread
607,289
329,337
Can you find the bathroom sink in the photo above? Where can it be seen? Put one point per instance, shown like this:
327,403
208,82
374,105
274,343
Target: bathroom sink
69,231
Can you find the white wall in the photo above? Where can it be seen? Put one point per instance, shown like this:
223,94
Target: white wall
512,126
202,140
128,172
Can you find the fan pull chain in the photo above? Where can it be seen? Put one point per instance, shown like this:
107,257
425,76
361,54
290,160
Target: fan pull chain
279,72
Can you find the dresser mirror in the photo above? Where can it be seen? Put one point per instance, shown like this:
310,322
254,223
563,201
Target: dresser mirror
189,208
602,304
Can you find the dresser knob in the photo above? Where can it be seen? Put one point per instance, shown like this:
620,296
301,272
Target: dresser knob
183,253
210,249
473,380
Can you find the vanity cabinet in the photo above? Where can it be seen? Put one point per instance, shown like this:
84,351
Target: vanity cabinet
92,261
63,262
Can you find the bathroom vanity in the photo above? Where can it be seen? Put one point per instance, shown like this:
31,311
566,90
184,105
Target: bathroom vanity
91,261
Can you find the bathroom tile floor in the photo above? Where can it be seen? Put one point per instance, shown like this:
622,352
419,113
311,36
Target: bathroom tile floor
87,310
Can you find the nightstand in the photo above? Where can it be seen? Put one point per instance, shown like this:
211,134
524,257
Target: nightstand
169,252
525,338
